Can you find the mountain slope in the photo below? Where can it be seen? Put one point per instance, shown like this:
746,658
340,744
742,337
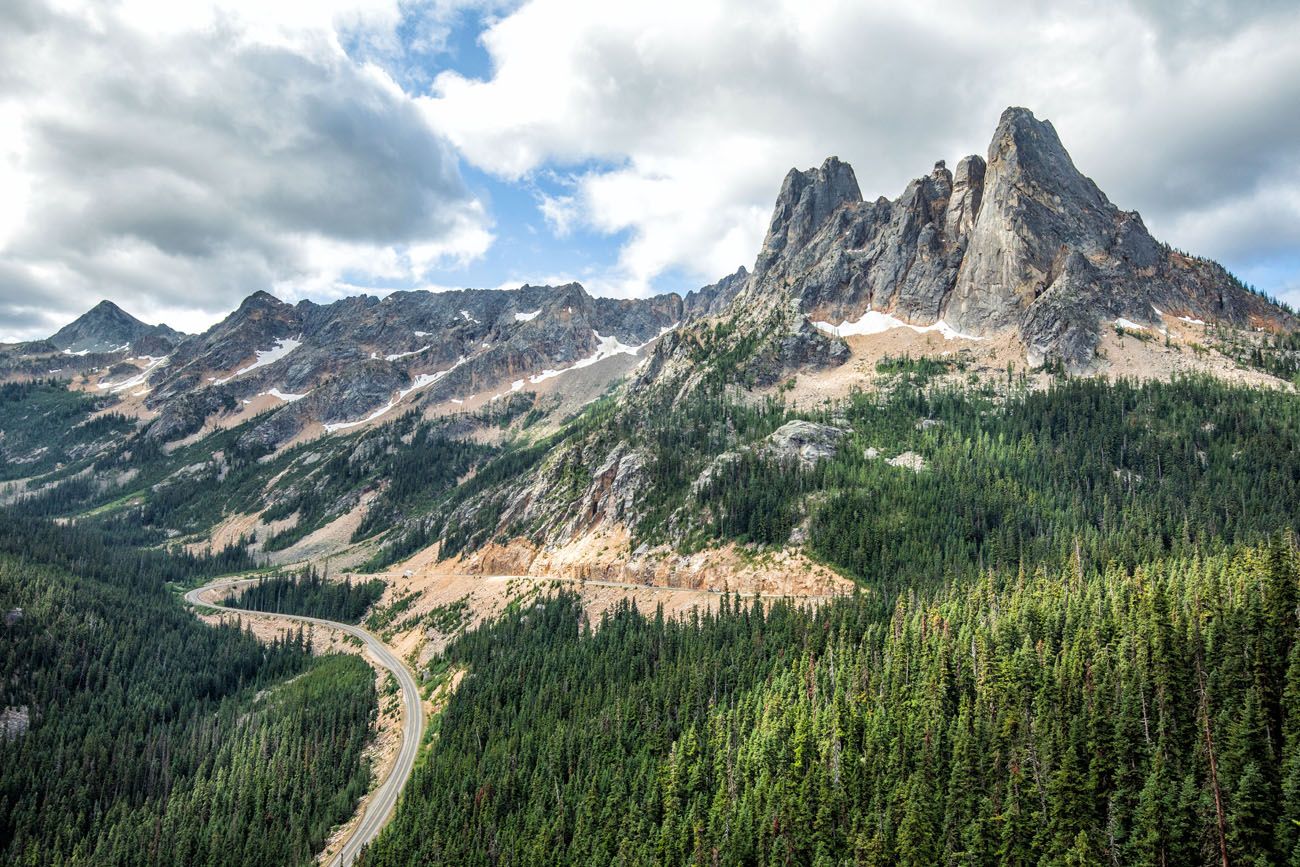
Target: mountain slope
1018,250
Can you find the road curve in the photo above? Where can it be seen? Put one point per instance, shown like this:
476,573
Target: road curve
384,799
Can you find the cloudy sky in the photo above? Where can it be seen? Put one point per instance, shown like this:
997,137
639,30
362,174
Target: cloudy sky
177,156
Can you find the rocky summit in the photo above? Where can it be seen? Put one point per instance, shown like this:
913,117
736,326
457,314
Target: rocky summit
1020,241
107,328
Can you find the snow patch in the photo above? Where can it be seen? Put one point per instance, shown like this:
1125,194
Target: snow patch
286,397
1192,321
424,380
527,317
398,355
282,347
468,318
138,379
344,425
421,333
1129,324
606,347
875,322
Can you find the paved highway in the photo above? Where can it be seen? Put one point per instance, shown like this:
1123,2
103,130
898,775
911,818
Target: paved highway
384,799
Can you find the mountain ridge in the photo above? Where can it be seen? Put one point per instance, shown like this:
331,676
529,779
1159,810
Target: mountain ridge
353,361
1016,242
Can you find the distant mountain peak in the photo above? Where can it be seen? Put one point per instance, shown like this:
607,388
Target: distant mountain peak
106,327
261,299
107,306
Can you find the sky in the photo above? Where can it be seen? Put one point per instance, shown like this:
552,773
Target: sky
175,157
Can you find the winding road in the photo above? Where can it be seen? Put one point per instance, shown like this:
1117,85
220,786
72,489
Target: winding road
383,799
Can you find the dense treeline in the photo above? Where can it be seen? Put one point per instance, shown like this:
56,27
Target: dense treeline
423,469
94,551
46,425
1120,470
754,500
310,594
1080,716
148,737
455,537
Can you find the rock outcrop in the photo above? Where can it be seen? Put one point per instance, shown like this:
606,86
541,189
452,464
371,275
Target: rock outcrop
802,442
714,299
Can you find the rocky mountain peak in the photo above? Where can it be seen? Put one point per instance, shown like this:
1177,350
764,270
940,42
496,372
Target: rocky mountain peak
1019,242
1039,218
260,301
106,328
108,308
806,199
1027,149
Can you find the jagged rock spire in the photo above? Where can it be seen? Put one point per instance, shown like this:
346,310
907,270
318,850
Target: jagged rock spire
806,199
1024,242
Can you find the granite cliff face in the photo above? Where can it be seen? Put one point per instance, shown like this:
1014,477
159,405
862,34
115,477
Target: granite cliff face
1020,242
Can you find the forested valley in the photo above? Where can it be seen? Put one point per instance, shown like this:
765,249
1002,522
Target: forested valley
138,735
1074,641
1144,716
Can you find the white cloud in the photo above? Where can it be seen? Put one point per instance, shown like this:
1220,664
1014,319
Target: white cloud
560,213
694,110
187,154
